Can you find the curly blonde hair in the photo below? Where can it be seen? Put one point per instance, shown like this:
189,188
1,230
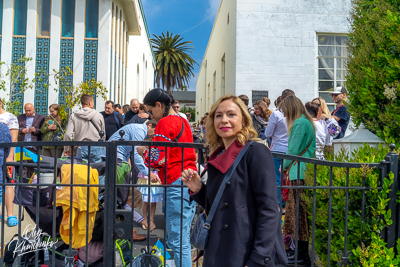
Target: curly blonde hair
247,133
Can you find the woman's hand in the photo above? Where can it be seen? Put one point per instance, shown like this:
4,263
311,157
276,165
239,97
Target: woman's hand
191,179
52,127
140,150
324,116
154,178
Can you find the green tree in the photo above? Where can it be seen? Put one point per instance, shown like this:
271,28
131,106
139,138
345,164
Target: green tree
174,64
16,74
374,67
72,94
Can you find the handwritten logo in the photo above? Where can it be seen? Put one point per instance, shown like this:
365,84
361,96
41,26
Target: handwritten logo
32,241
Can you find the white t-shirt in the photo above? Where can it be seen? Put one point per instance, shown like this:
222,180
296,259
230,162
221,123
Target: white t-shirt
183,115
320,140
10,120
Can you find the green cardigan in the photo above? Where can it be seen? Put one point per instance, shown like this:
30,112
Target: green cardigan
301,135
48,134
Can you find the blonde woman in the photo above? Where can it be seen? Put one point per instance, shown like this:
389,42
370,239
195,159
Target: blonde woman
248,204
331,126
301,142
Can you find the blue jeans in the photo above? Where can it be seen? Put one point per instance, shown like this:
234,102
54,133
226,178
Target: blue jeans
173,224
95,153
277,163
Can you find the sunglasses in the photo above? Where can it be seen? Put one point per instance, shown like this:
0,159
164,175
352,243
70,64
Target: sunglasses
335,95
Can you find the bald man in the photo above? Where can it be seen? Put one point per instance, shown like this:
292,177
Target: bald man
29,126
135,110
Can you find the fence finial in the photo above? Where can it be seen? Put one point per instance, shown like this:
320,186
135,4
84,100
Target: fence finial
101,133
392,147
122,133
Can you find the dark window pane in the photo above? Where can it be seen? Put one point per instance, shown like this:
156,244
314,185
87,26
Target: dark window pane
68,18
341,63
327,97
1,16
326,63
92,18
44,14
20,12
340,74
325,86
326,74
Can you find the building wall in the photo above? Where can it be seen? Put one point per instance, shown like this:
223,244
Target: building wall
277,43
275,47
140,79
104,58
222,43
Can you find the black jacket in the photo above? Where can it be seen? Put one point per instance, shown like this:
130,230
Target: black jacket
246,230
113,122
135,119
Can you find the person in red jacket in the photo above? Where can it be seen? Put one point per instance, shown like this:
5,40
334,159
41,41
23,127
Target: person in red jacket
172,128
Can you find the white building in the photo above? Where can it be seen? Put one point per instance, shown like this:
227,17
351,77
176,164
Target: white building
101,39
261,47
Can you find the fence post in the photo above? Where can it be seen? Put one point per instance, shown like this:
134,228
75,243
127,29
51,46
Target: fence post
393,159
109,246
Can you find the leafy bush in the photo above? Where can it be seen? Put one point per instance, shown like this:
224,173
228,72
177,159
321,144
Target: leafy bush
374,67
359,233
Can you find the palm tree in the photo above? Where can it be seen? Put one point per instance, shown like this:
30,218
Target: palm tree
174,64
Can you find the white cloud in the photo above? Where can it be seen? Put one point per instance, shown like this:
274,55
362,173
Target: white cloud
213,9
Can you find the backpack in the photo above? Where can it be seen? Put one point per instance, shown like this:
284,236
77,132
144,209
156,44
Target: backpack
25,260
123,255
95,251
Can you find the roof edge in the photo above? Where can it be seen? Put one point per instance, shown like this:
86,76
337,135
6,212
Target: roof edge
147,30
208,44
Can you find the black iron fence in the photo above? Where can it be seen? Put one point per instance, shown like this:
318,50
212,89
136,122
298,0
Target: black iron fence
327,184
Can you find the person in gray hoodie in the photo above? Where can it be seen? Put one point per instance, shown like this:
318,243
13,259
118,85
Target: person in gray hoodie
85,125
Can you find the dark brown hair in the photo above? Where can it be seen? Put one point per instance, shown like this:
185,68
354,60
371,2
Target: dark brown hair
245,99
108,102
85,99
286,93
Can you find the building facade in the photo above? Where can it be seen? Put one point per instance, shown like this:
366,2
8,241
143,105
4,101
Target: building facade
95,39
185,98
259,48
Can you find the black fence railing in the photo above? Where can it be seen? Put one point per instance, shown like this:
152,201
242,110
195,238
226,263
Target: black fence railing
67,227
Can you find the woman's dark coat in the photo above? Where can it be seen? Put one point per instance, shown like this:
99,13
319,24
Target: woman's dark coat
246,230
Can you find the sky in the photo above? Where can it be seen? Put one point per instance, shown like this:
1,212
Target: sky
192,19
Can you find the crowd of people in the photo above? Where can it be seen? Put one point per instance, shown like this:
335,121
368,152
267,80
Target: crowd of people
292,128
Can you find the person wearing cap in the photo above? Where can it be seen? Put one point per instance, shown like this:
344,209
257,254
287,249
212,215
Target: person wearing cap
340,114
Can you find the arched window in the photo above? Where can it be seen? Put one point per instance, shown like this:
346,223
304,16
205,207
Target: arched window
92,18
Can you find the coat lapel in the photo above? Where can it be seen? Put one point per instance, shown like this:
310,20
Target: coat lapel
225,161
